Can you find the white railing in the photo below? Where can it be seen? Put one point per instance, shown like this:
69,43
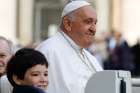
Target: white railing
135,85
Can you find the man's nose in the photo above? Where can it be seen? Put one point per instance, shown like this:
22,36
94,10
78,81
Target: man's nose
93,27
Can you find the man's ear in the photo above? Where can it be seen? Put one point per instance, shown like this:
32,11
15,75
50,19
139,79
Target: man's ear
67,23
16,80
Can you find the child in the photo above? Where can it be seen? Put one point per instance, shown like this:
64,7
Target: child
28,67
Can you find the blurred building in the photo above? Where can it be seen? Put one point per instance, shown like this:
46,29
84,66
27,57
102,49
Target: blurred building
27,21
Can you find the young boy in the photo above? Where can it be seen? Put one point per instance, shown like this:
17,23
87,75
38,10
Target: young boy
28,67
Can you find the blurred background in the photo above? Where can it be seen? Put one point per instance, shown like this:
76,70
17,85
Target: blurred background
28,22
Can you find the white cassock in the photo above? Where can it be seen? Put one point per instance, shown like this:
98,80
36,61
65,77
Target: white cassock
69,70
5,86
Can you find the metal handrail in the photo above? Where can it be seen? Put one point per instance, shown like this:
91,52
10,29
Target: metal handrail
135,82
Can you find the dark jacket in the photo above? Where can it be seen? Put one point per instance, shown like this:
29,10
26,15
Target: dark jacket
27,89
120,58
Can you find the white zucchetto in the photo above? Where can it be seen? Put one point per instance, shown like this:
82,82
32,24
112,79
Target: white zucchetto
73,5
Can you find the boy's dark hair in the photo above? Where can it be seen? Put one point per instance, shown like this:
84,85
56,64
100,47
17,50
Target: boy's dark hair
24,59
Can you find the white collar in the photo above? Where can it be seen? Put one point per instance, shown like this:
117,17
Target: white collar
73,44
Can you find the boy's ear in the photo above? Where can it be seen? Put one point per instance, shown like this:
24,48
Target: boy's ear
16,80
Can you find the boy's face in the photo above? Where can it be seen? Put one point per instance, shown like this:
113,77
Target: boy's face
36,76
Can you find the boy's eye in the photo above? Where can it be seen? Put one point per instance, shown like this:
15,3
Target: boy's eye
46,74
34,74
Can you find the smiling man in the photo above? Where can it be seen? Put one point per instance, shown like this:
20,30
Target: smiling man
70,64
6,51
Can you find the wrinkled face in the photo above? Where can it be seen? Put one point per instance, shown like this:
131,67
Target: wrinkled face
83,27
36,76
5,55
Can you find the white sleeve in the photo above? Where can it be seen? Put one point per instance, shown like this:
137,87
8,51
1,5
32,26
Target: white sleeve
5,86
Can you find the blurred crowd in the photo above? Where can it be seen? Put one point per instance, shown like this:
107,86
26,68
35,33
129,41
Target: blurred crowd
114,53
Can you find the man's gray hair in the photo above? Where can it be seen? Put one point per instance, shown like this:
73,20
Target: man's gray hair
10,44
71,16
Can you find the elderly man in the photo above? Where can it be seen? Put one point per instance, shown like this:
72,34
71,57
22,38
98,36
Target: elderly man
6,51
70,65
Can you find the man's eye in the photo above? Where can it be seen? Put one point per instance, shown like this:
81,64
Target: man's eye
88,21
2,56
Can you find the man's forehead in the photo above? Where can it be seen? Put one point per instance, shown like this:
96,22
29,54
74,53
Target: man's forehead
4,46
3,42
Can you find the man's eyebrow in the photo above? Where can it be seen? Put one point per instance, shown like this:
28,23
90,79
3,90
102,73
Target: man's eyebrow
91,19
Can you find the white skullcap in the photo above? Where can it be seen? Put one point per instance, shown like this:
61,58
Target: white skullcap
73,5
